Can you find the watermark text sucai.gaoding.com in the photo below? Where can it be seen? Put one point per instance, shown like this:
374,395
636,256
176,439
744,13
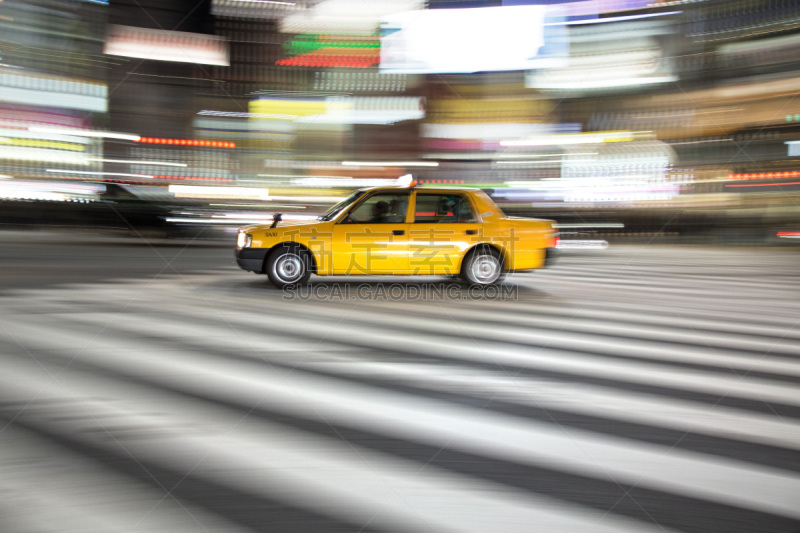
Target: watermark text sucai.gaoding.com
353,292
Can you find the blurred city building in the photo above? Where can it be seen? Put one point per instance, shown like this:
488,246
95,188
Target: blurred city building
649,117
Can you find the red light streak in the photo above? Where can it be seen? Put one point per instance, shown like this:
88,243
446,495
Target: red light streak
334,57
765,175
187,142
763,184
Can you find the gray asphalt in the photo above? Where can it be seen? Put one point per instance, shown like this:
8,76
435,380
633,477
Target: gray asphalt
151,385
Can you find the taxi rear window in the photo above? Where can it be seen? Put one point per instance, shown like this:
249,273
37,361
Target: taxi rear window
445,208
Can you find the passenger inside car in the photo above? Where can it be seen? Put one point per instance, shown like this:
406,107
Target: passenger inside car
380,212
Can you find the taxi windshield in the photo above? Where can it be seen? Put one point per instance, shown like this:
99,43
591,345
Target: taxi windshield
331,213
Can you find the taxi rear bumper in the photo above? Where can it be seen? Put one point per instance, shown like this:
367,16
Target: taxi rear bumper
550,256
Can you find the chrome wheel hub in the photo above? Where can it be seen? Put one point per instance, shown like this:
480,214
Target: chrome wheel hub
289,267
485,268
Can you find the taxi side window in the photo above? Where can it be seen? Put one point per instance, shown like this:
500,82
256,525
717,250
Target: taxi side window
447,208
382,208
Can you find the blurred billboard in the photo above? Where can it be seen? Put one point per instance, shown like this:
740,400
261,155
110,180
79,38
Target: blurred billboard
599,60
162,45
441,41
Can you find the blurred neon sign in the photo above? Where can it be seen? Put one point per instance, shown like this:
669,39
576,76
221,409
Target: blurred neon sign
332,50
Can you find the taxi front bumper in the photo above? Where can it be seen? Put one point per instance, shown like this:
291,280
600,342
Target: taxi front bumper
252,259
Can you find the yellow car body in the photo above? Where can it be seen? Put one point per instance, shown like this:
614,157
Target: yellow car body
400,231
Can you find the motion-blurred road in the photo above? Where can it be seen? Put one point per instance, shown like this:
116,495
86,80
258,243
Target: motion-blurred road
154,386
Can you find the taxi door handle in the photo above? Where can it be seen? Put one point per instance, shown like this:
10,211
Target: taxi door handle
398,232
472,232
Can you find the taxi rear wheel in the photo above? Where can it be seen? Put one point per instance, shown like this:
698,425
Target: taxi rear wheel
483,266
289,266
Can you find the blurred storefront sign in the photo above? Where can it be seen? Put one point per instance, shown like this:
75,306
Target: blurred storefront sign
599,59
52,91
162,45
321,16
264,9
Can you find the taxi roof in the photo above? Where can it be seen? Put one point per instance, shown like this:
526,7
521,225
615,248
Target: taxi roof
438,188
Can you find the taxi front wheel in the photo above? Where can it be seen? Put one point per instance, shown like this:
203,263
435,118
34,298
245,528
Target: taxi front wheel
483,266
289,266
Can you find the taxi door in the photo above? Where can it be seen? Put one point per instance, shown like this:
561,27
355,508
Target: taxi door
444,226
372,238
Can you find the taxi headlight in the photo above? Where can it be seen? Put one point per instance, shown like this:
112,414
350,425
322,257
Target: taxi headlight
243,240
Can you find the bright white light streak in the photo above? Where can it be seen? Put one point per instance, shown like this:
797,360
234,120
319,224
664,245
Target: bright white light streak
59,192
260,217
85,133
237,221
598,225
274,2
592,182
179,220
25,153
295,176
40,195
310,199
582,244
10,135
343,182
544,183
539,162
247,216
139,162
601,83
521,156
199,191
234,114
390,163
274,116
123,174
259,206
705,141
571,138
621,19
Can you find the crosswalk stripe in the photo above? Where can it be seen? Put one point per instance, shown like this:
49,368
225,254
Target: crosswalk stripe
334,478
420,373
604,339
584,398
464,349
493,435
748,329
733,335
715,420
458,348
66,485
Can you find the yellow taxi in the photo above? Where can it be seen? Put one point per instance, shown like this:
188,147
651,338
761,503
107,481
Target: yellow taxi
402,230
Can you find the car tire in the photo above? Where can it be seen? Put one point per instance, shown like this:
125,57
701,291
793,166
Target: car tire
482,267
289,266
